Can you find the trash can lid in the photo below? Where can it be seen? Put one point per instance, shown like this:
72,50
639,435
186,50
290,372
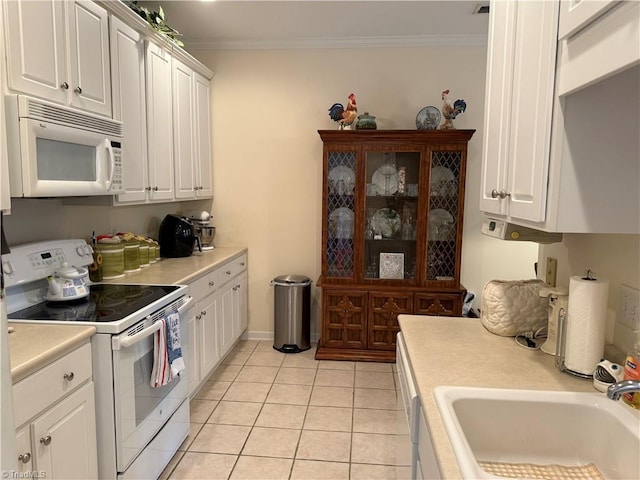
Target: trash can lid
292,280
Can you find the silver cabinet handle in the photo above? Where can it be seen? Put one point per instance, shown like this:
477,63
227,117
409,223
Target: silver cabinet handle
155,189
69,376
78,90
242,263
64,86
228,272
198,317
211,283
24,457
501,194
45,440
148,189
204,313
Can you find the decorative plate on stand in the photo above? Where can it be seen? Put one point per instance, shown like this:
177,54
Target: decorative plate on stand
428,118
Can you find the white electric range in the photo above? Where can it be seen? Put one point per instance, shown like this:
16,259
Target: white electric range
139,427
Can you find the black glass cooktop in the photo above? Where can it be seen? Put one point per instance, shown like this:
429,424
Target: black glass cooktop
105,303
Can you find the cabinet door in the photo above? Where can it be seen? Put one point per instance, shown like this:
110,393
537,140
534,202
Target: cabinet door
129,106
495,155
344,319
5,199
438,304
183,130
90,78
204,177
520,86
159,125
240,304
65,438
532,107
339,208
384,309
208,334
193,355
36,48
575,14
392,210
23,450
227,301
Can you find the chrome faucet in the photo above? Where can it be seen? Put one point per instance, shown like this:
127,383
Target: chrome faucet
615,391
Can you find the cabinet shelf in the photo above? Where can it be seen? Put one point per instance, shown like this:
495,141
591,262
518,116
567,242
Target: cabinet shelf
421,275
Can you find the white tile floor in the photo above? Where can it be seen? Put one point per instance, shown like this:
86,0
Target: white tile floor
268,415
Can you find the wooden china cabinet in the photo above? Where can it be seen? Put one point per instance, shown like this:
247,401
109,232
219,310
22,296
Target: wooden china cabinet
392,214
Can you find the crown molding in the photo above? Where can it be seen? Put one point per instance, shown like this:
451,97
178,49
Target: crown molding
346,42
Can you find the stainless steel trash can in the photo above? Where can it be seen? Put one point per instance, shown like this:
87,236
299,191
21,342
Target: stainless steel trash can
292,313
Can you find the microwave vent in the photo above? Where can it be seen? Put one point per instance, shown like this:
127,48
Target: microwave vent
48,112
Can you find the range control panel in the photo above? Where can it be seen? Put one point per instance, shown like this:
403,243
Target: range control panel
35,261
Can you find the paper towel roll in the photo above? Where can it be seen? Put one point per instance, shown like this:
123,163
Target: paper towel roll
586,324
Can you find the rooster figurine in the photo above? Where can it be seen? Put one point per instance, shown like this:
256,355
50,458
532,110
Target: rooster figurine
344,117
450,112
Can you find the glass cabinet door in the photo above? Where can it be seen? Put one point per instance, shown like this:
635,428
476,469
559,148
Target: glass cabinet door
444,205
391,208
340,198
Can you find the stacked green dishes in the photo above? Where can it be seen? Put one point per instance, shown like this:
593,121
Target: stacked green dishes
131,255
112,259
152,251
144,253
158,257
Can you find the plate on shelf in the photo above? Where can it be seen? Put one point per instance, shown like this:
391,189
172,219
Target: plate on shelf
441,225
342,180
341,223
428,118
386,221
385,183
442,180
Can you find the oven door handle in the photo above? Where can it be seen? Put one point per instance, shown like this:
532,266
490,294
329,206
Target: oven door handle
126,342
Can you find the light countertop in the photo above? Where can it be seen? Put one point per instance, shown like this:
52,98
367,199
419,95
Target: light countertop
182,270
33,346
461,352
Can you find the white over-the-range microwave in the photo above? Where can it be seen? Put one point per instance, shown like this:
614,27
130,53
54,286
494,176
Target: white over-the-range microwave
57,151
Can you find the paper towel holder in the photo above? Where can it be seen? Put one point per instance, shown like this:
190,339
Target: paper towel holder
562,338
561,347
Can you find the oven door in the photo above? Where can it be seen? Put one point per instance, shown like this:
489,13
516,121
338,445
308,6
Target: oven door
140,409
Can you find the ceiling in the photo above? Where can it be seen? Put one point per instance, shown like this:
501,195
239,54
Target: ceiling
306,24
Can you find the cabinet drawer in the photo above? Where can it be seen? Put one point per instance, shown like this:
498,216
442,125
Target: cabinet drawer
233,268
205,285
51,383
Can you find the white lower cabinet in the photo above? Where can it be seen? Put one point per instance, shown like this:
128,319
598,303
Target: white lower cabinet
56,435
218,318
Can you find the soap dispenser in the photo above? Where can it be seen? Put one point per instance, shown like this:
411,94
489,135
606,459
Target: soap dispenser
632,372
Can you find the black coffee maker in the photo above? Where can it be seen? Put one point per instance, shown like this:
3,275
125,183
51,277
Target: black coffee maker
177,237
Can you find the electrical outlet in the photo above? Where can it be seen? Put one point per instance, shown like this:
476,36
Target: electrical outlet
629,307
551,271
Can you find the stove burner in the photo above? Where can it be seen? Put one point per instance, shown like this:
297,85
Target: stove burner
129,292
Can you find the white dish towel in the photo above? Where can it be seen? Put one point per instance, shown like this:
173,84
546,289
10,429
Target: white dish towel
167,353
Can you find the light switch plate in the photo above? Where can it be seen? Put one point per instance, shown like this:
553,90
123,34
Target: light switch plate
629,307
551,272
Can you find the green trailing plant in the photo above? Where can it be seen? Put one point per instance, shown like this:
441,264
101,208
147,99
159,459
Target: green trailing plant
157,21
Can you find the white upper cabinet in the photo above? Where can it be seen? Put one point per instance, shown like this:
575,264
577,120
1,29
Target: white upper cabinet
191,133
202,142
159,124
183,128
129,106
608,43
60,51
518,108
576,14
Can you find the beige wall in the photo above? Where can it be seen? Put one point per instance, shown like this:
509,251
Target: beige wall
612,257
267,108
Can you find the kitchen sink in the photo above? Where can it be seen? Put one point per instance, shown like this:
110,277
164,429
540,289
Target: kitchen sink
510,431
